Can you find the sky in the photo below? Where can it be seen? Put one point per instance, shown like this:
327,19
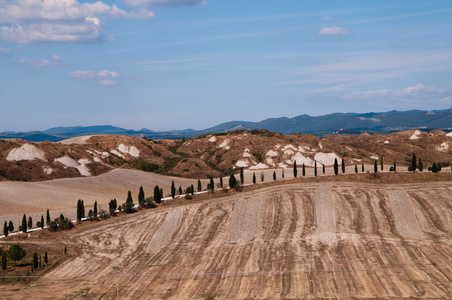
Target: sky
178,64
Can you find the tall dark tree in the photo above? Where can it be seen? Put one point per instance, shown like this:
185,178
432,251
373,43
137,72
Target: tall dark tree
16,253
4,261
35,260
336,167
83,209
356,168
413,163
420,165
295,169
10,226
173,190
232,181
141,197
362,167
157,196
343,166
303,170
95,209
242,179
48,217
262,176
199,185
180,190
24,223
212,184
282,173
221,181
192,189
323,168
274,175
315,168
375,166
42,222
395,167
46,258
112,205
254,178
128,206
30,222
79,210
381,162
5,229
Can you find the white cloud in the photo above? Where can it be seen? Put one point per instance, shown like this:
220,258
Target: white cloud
416,91
57,20
4,50
104,77
150,3
446,100
56,60
334,30
326,18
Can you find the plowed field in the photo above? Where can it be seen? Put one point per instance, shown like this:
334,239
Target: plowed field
318,240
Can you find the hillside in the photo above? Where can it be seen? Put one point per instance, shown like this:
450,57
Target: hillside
320,126
324,240
215,155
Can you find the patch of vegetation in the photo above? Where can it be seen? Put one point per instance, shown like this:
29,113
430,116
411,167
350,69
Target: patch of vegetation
170,163
258,156
147,166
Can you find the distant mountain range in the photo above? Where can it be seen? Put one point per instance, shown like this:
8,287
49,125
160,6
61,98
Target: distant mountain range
321,126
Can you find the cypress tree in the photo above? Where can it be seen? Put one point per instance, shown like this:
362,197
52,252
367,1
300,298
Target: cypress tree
336,167
303,171
381,162
48,217
83,209
232,181
323,168
262,176
343,166
420,165
282,173
212,186
141,196
274,175
315,168
95,209
10,226
192,189
157,197
294,169
5,229
65,250
356,168
413,163
24,223
46,258
4,261
42,222
180,190
35,261
394,167
375,166
242,179
254,178
362,167
221,181
173,190
199,185
30,222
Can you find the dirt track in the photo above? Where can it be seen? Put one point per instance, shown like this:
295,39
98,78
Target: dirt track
386,241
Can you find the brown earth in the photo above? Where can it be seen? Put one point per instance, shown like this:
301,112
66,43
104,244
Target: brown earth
304,240
219,154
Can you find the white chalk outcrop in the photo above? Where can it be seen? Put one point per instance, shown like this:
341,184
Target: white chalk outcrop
25,152
131,150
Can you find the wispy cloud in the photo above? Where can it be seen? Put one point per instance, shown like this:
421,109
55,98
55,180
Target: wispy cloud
58,21
151,3
54,61
334,31
104,77
4,50
418,90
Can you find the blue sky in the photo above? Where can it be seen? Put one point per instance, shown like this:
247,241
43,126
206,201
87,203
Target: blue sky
176,64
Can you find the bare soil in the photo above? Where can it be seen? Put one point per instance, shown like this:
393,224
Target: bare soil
383,241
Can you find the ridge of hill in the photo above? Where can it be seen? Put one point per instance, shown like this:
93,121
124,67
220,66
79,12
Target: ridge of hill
320,126
216,154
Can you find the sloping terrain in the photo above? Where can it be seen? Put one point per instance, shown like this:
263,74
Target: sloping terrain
317,240
214,155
